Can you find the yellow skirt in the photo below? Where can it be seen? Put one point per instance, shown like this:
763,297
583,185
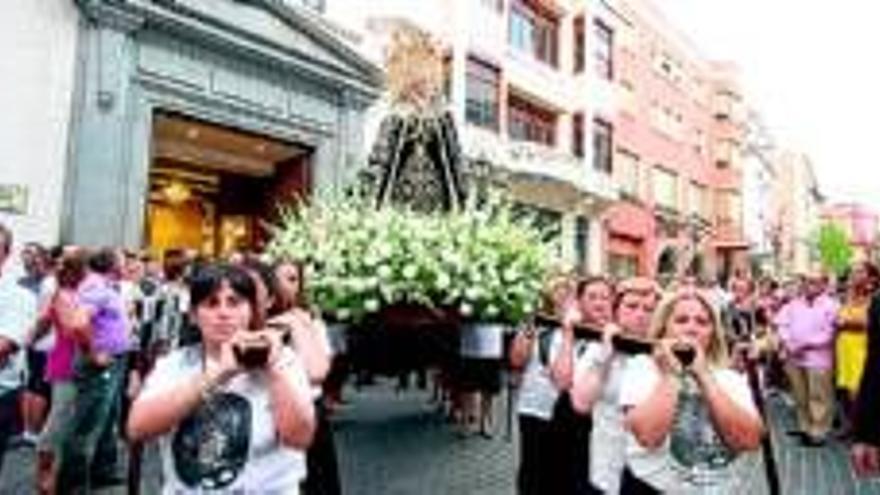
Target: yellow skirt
852,349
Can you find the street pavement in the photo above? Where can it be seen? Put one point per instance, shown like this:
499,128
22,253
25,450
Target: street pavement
396,443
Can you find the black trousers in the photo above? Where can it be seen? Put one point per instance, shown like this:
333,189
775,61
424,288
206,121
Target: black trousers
539,472
9,420
322,476
572,432
630,485
555,454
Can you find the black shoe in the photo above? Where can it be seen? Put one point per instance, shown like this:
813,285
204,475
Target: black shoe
798,434
108,481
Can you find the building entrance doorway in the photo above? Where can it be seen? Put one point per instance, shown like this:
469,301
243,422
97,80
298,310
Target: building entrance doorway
214,190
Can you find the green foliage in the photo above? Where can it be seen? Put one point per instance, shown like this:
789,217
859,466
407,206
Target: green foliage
834,247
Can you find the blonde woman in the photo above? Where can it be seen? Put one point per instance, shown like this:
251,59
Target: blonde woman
690,415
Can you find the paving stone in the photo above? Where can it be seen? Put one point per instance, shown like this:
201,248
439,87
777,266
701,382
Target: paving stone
395,443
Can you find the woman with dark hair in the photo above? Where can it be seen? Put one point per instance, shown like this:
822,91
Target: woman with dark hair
594,296
171,329
234,413
852,336
282,307
317,346
64,316
546,356
597,383
306,332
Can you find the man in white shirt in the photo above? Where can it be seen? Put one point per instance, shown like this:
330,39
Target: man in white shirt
17,314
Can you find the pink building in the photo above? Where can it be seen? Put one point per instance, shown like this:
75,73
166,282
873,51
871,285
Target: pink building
678,130
860,222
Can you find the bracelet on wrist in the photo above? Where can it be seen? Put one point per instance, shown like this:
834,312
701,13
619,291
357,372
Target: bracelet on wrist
207,386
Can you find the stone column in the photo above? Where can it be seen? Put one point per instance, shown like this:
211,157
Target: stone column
98,194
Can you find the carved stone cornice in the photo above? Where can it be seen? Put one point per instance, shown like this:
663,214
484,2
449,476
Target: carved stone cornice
118,15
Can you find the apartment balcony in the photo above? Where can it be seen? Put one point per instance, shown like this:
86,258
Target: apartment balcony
728,233
538,79
487,30
537,162
727,154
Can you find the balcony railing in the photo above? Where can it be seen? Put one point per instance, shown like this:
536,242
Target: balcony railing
537,160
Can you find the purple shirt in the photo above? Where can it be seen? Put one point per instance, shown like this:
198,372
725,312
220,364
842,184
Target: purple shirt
807,330
109,317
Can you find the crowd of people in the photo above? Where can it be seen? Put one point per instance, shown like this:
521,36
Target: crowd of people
678,415
623,386
221,364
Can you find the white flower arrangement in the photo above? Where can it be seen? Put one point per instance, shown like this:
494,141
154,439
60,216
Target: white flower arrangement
484,262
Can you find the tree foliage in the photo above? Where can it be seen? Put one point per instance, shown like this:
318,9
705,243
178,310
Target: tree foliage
835,249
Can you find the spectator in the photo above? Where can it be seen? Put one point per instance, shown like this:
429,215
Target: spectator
88,456
866,429
37,263
17,314
223,426
806,329
742,311
852,336
64,316
40,266
172,306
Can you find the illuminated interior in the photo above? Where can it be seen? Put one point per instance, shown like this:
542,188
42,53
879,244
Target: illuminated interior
213,188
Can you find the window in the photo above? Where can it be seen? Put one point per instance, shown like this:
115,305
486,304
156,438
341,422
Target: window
622,266
725,153
705,203
626,169
729,207
581,240
602,141
579,45
696,195
699,141
665,188
603,53
725,105
669,68
545,220
483,98
534,32
577,135
667,119
528,122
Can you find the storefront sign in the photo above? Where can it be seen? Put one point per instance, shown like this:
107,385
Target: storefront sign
13,198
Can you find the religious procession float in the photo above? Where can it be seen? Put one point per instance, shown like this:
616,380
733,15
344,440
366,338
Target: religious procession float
423,246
